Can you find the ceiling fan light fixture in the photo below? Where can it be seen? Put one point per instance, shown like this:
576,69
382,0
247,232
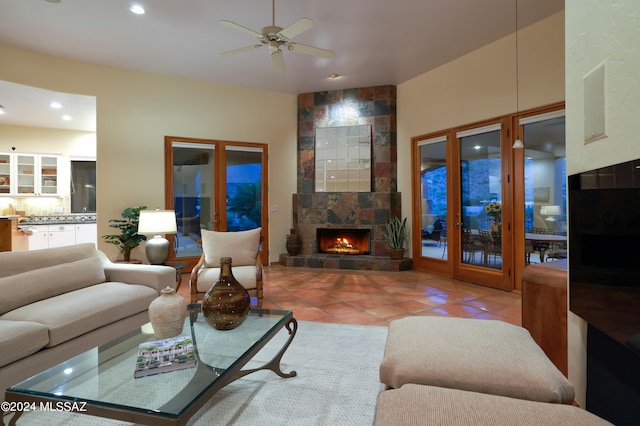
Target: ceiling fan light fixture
276,37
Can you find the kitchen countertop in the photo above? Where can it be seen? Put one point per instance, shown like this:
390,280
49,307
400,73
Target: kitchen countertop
59,220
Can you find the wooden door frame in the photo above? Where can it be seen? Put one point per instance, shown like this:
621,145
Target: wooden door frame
513,203
220,187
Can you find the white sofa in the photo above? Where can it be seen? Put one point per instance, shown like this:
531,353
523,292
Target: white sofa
57,303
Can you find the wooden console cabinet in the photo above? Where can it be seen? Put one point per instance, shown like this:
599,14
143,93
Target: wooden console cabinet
544,308
11,238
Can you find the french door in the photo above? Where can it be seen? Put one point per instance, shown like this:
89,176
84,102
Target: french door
214,185
481,207
461,204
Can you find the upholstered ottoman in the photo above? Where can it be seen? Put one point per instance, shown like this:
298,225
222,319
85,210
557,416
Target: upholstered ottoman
486,356
429,405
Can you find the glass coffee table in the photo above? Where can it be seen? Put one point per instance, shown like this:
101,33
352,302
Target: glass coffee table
101,381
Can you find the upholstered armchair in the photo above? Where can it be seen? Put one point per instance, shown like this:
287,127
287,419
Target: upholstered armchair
243,247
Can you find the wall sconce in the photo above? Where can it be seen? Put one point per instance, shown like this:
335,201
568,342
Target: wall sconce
157,222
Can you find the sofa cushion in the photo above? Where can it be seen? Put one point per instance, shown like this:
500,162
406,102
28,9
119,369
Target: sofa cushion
242,247
72,314
19,339
470,354
46,282
418,405
12,263
245,275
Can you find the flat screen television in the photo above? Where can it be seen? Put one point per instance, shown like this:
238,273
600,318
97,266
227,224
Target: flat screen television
604,250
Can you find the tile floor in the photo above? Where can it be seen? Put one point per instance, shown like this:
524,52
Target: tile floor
375,298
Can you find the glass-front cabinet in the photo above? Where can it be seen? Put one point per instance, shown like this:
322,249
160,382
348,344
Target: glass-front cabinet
29,174
5,173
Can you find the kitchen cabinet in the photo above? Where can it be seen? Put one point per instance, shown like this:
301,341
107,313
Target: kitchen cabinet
29,174
54,235
40,237
86,233
11,238
5,173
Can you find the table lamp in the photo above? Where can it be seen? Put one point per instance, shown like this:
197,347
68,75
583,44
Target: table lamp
550,212
157,222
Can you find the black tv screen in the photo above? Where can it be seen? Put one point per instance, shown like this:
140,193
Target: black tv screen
604,250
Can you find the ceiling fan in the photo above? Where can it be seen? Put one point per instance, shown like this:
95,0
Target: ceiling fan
277,37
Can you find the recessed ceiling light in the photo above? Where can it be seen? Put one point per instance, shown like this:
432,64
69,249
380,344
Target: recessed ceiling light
334,75
55,105
137,9
66,117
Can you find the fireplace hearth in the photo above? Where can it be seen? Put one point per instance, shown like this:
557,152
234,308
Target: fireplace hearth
343,241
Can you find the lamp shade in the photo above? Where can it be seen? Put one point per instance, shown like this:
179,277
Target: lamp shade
551,210
152,222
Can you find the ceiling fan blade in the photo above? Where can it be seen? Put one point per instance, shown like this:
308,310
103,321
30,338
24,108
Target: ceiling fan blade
310,50
240,50
241,28
277,60
300,26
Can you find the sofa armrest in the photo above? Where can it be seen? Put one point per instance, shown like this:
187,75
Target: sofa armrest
157,277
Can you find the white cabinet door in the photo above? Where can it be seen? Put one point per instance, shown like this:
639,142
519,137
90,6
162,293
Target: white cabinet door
48,181
25,172
62,235
87,233
6,161
40,237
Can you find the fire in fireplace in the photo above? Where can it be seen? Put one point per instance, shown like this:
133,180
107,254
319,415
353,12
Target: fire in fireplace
343,241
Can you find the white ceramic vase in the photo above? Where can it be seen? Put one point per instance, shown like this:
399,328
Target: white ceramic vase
167,313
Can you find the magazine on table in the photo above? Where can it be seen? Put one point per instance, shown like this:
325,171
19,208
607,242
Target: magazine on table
163,356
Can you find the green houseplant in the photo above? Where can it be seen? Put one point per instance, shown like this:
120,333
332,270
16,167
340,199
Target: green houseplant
397,236
128,238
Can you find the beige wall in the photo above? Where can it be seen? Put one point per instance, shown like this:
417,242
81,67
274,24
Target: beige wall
598,32
136,110
481,85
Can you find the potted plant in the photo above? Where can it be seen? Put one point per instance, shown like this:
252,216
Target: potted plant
396,235
128,238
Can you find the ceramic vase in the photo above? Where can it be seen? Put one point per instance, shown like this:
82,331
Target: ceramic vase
226,305
167,313
293,243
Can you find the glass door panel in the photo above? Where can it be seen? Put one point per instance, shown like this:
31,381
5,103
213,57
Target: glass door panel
433,198
243,188
480,216
193,196
545,188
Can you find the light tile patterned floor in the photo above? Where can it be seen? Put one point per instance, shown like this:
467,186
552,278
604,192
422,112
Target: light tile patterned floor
375,298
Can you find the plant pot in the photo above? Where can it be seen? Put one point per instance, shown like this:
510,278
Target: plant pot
396,254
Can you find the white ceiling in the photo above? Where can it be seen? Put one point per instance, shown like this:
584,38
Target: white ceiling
375,42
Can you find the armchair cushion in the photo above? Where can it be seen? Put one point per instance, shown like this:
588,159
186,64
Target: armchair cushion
241,246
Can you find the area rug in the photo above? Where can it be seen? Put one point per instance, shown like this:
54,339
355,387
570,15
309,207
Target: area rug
337,384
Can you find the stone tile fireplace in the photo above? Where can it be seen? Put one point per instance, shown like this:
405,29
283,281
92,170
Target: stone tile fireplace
315,213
